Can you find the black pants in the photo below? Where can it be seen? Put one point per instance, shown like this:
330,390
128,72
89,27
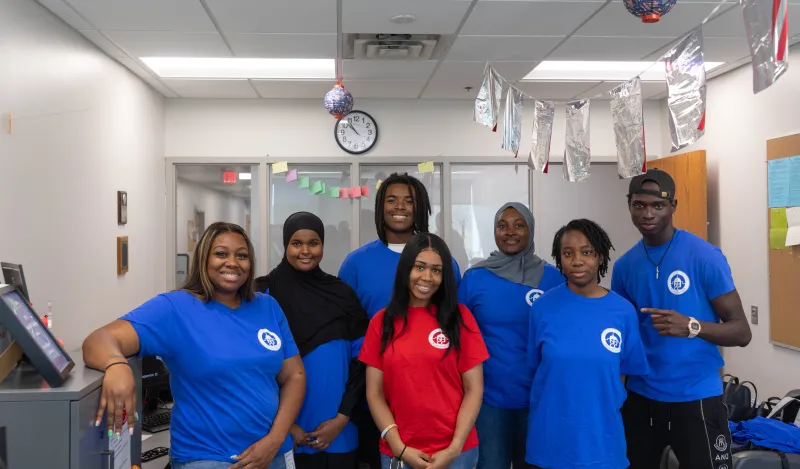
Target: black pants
697,431
326,460
368,438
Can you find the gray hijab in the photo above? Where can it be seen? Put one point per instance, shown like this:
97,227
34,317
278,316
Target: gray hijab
525,267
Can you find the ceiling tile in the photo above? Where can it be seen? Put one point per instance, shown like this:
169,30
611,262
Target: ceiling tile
170,44
274,16
292,89
614,20
142,73
719,49
104,44
305,46
145,15
556,90
526,18
67,14
388,70
385,89
211,88
432,17
607,48
649,90
731,23
502,48
452,77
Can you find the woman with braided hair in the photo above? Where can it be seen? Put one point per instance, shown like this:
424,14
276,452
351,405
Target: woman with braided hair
583,339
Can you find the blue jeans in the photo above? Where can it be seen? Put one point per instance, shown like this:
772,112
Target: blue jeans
467,460
503,435
278,463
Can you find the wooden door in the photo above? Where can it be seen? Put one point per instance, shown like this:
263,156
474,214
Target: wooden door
689,172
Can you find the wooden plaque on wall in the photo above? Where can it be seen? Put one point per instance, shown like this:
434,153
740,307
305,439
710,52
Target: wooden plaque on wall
784,267
691,191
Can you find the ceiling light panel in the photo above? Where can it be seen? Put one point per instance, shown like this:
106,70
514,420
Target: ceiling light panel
222,68
600,71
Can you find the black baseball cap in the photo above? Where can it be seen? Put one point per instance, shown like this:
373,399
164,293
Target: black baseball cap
666,184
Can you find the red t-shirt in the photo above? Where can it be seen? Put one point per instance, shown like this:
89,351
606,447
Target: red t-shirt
424,391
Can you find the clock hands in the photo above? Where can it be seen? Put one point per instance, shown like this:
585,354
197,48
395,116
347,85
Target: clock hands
354,129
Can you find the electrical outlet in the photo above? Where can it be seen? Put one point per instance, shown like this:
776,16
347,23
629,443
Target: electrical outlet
754,314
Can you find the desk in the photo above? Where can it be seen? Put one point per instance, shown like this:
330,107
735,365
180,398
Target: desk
158,439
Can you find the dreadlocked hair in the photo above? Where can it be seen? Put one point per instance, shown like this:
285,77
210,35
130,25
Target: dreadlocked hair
422,204
597,237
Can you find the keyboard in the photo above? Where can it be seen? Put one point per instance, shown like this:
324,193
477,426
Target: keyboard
157,422
154,453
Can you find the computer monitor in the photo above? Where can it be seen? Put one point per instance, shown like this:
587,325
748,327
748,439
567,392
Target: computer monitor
13,275
155,380
35,340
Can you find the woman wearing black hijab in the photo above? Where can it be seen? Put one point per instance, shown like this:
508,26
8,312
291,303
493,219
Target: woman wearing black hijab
328,324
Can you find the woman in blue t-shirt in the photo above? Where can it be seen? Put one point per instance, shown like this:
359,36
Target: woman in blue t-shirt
583,340
500,291
328,324
235,375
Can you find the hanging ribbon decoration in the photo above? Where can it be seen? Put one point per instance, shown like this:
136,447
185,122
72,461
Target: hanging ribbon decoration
577,155
626,113
512,121
767,26
686,89
487,104
544,113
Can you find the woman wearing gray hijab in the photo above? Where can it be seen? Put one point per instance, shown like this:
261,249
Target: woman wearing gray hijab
500,291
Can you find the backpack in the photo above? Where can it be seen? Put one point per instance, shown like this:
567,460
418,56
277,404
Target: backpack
786,410
739,399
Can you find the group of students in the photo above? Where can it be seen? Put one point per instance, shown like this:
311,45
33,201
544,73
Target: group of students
399,361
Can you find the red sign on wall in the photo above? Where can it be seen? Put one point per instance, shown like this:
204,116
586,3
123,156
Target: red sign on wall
229,177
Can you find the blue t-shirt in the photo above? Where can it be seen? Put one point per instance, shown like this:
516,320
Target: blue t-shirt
579,348
692,274
223,365
370,271
502,309
327,369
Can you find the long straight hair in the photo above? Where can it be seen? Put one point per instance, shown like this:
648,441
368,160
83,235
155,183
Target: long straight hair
198,282
445,299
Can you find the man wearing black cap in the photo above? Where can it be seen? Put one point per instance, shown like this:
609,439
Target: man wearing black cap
683,288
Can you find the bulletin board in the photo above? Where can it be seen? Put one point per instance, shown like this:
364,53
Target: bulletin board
783,183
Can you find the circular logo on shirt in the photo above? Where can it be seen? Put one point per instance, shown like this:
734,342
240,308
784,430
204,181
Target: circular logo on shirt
533,295
438,339
678,282
721,444
269,340
612,340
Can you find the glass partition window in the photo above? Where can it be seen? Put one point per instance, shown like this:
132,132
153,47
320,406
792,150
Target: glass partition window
371,174
476,196
287,198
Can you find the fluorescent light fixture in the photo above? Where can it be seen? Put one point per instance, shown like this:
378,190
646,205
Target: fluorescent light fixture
231,68
555,70
245,176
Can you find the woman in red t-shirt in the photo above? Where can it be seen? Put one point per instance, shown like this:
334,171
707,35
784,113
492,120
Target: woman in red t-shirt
424,356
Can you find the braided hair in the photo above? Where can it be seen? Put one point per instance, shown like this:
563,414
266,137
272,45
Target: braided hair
597,237
422,204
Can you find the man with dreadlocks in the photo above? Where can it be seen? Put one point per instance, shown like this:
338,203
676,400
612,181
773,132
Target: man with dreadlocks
689,307
402,208
582,340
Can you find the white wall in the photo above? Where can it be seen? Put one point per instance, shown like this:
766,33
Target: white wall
217,205
84,128
425,128
738,124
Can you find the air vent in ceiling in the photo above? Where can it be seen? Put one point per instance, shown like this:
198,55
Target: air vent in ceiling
391,46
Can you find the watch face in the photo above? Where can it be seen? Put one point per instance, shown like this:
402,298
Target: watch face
695,326
356,132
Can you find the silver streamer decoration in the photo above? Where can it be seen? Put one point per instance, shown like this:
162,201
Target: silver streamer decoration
487,104
512,120
767,26
686,87
543,117
626,113
577,155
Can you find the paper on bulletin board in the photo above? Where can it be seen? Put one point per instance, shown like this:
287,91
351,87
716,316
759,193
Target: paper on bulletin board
783,179
793,223
121,448
777,218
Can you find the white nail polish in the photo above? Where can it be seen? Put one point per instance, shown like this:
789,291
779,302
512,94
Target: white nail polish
130,430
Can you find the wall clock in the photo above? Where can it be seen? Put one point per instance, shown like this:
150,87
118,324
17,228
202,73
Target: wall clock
356,133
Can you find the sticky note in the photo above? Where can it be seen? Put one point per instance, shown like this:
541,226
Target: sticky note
777,218
364,191
316,187
280,167
426,167
777,238
304,182
324,188
333,192
354,192
378,185
291,175
343,193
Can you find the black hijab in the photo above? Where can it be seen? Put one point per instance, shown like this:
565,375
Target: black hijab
320,308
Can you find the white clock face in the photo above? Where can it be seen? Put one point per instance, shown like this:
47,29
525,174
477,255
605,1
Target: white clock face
356,132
